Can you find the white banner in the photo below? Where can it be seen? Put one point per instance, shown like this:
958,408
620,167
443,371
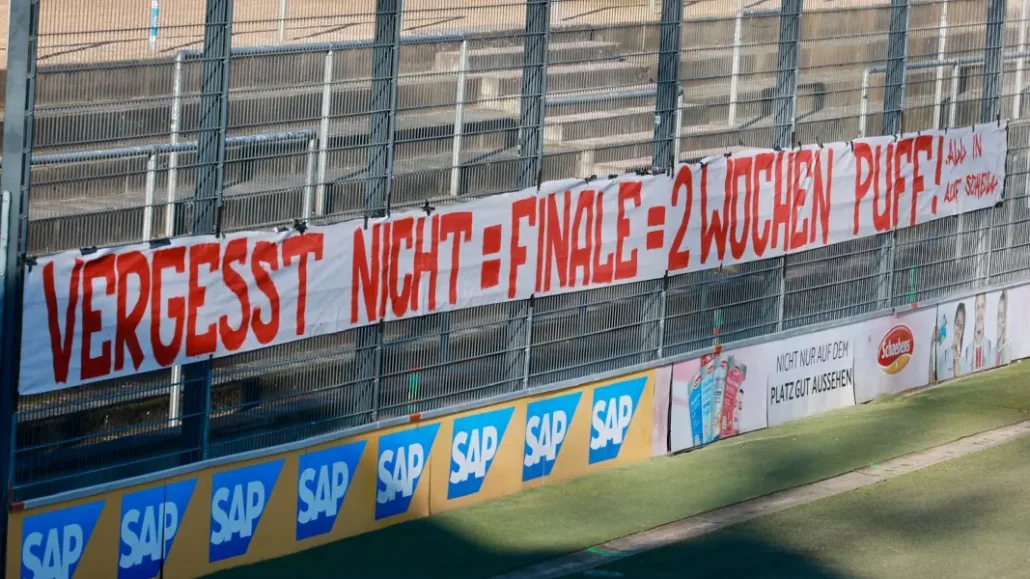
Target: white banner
121,311
812,374
894,354
980,333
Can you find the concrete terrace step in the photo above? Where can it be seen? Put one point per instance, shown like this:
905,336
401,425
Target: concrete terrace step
504,57
691,156
508,83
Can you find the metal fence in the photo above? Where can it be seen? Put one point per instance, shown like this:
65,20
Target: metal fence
125,122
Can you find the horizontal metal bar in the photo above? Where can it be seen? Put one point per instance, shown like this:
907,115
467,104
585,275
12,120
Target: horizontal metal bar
950,62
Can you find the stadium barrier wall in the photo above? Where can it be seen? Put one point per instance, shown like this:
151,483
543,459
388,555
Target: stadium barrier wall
737,390
234,514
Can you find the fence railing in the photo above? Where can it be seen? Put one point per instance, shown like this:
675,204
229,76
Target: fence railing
191,125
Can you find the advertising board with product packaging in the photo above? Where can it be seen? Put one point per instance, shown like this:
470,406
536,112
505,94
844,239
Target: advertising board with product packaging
973,334
715,397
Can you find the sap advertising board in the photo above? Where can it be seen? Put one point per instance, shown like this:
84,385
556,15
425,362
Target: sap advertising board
597,420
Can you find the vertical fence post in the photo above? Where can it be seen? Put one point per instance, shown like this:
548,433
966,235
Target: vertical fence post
956,83
893,124
15,183
175,127
155,10
323,133
942,42
786,105
379,180
280,34
309,178
738,38
990,108
207,203
532,112
990,99
148,200
1017,99
668,85
459,117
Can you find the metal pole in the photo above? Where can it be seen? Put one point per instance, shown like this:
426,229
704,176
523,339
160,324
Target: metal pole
173,138
281,33
534,92
1017,101
942,41
787,72
738,36
459,118
207,203
678,144
309,178
15,182
897,58
148,207
990,99
864,105
956,77
323,133
385,55
668,84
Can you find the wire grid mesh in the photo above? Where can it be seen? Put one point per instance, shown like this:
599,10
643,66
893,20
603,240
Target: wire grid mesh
310,88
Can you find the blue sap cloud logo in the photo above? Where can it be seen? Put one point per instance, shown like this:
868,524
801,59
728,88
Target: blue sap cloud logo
547,423
238,499
322,485
473,448
150,521
402,458
611,415
52,543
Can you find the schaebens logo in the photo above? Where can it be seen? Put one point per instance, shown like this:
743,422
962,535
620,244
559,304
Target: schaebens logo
322,485
52,543
402,459
149,523
238,499
612,413
547,424
473,448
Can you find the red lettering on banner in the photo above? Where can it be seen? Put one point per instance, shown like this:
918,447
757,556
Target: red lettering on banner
799,237
427,261
822,195
400,291
129,264
301,247
556,248
206,342
782,202
61,344
978,146
904,149
923,144
603,272
384,280
951,192
265,254
740,169
626,268
881,219
365,267
234,338
679,256
582,239
490,269
864,179
956,153
714,224
173,258
540,233
457,225
521,209
764,163
92,320
981,185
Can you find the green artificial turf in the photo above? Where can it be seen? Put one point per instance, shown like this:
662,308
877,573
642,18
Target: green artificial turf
538,524
964,518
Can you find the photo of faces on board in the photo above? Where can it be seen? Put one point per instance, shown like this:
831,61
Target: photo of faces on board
974,334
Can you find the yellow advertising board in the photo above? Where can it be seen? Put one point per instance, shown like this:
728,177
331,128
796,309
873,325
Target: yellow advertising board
240,513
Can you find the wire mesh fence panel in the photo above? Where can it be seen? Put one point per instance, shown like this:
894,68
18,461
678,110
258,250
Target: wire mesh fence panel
347,110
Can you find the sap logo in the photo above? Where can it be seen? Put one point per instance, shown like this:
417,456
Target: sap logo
547,423
402,458
52,543
150,521
322,486
238,499
473,448
612,413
